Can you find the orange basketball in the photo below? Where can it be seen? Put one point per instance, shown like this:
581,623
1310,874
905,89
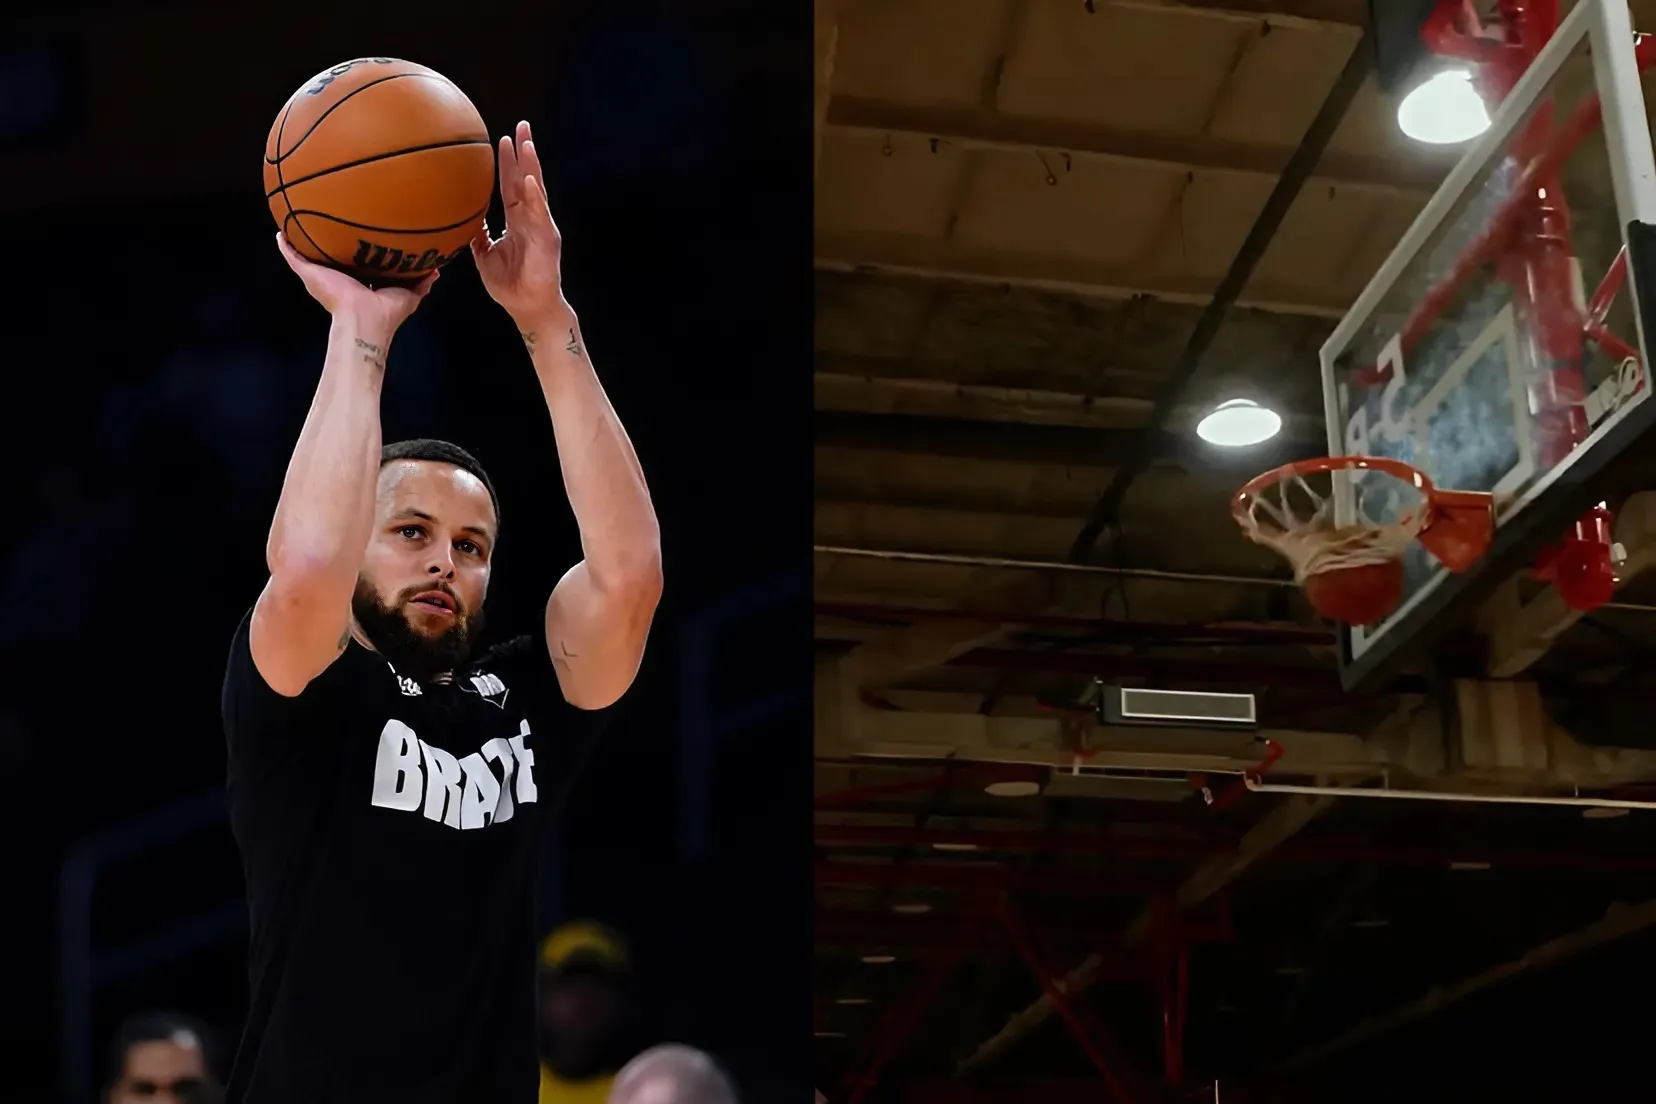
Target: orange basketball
379,167
1358,595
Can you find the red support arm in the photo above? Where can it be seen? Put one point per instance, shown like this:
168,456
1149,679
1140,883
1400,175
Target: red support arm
1508,219
1598,309
900,1024
1174,993
1043,974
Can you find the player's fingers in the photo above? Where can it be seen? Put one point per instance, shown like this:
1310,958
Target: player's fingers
423,288
533,185
510,174
529,160
287,252
535,196
301,267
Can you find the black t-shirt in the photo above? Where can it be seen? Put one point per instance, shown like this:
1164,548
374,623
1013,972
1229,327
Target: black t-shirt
390,831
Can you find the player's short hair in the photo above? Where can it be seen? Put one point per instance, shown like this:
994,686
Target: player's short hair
441,452
160,1027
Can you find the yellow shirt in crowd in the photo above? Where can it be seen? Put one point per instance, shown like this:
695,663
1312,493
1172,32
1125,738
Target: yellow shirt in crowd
555,1090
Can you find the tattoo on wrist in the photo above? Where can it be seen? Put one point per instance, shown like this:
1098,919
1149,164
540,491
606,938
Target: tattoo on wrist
373,354
572,346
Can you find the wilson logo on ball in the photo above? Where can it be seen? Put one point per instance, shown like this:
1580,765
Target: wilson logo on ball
383,258
340,70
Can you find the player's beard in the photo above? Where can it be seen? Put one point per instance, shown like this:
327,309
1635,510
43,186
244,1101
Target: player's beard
421,657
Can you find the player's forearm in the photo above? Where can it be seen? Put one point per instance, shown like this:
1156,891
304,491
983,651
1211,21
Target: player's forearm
620,539
326,512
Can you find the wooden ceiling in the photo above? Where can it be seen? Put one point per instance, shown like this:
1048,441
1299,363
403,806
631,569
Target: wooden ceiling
1022,208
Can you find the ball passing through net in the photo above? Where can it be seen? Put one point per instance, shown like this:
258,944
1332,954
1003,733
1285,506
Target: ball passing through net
1345,522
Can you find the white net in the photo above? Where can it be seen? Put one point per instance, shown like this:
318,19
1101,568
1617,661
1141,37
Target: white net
1298,521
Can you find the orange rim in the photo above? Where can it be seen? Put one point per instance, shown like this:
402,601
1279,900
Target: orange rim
1394,468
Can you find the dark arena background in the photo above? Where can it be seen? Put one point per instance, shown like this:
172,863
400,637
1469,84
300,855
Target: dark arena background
161,361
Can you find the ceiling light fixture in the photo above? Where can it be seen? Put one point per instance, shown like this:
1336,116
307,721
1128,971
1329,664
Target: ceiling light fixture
1016,788
1238,423
1443,110
911,908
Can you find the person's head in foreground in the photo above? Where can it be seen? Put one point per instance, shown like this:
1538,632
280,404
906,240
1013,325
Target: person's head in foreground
419,597
161,1058
584,1002
672,1075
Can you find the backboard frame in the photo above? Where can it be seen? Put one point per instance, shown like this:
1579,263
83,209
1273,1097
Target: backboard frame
1548,507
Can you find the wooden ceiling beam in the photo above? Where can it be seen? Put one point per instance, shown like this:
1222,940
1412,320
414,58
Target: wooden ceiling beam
876,385
1619,922
825,39
928,258
977,128
1343,16
1021,442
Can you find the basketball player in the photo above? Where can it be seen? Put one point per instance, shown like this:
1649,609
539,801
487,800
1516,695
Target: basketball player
387,786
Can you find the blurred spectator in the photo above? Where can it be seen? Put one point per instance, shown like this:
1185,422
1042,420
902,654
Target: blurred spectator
635,105
17,744
162,1058
49,591
672,1075
234,396
586,1013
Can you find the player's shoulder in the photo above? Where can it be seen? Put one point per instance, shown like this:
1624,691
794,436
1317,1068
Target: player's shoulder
519,654
350,668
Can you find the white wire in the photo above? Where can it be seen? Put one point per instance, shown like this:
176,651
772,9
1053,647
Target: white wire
1439,795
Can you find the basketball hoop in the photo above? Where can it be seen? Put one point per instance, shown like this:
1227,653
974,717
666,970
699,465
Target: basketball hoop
1352,567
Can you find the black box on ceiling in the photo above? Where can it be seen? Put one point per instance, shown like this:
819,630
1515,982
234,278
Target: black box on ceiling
1394,29
1137,705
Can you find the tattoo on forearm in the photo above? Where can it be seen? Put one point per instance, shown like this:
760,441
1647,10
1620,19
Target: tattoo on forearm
529,343
573,345
567,655
373,354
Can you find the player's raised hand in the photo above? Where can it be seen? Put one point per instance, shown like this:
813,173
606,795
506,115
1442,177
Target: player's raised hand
342,293
520,268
